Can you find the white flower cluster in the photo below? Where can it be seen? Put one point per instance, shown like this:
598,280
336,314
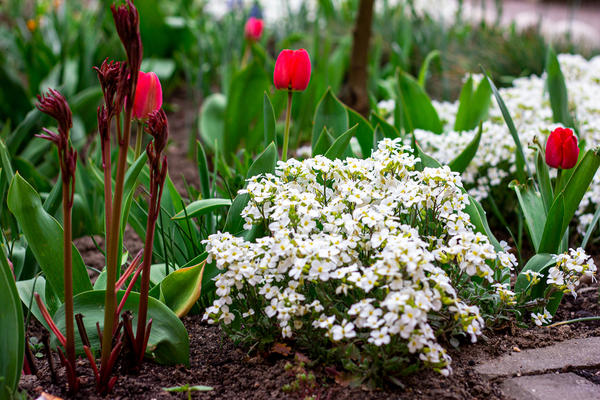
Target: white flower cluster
529,105
541,318
364,250
570,267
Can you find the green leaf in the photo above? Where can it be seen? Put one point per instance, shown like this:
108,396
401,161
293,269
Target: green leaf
579,183
26,290
330,113
12,329
552,233
433,54
45,238
181,288
479,220
426,160
590,229
201,207
533,209
168,343
212,121
129,187
473,109
264,163
364,132
339,147
269,121
538,263
543,178
387,129
244,110
557,89
203,172
417,110
521,165
323,143
462,161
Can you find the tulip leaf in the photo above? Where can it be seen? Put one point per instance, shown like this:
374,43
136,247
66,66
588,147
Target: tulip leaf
330,113
201,207
538,263
543,178
203,172
244,109
424,70
212,121
533,209
168,343
462,161
426,160
26,289
45,238
387,129
364,132
323,143
557,89
270,134
552,233
521,164
181,289
473,105
417,110
340,146
12,330
264,163
579,183
590,228
479,220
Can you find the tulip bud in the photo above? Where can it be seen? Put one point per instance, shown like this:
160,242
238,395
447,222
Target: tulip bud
292,70
148,95
561,149
254,28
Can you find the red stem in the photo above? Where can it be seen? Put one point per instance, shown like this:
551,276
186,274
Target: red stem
68,187
50,321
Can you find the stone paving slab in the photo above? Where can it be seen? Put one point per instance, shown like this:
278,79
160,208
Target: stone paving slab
550,387
583,352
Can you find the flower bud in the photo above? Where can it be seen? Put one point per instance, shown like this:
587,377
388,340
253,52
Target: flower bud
292,70
148,95
254,28
561,149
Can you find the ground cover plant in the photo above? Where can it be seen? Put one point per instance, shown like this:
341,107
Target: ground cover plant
336,214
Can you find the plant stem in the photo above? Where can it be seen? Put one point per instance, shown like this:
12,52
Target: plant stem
68,187
571,321
138,141
112,258
286,135
246,55
107,184
558,184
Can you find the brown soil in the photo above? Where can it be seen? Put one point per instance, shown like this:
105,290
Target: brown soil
235,374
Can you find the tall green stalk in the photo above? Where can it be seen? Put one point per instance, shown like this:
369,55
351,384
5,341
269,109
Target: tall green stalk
286,134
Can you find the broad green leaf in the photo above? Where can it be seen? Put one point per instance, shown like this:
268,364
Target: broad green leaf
168,343
479,219
521,165
423,72
474,109
552,233
181,288
12,329
244,109
264,163
364,132
7,168
579,183
201,207
426,160
212,121
323,143
330,113
387,129
462,161
543,178
557,89
538,263
340,146
45,238
270,134
417,110
26,290
533,209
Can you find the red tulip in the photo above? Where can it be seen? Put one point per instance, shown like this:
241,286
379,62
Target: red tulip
148,95
561,149
292,70
253,29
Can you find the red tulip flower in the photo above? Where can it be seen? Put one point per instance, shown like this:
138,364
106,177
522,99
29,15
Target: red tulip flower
148,95
292,70
561,149
254,28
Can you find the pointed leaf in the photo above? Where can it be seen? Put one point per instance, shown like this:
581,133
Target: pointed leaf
201,207
181,288
533,209
45,238
433,54
417,110
339,147
557,89
552,233
330,113
323,143
462,161
364,132
270,133
212,120
388,130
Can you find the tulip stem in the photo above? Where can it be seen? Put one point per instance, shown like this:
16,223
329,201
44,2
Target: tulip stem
246,55
286,134
138,141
